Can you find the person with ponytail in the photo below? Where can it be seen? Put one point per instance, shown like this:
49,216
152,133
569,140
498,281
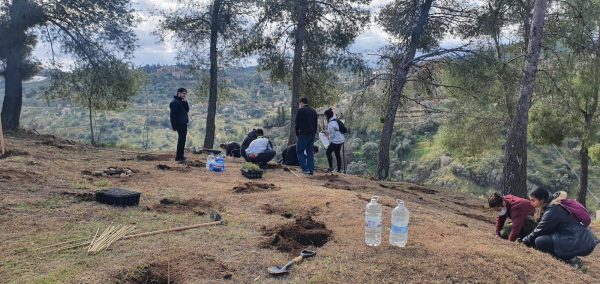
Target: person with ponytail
336,141
518,210
558,232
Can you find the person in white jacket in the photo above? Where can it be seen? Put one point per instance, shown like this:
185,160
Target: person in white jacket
260,150
336,141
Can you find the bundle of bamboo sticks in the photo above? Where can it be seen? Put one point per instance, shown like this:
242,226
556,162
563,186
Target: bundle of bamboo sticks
108,237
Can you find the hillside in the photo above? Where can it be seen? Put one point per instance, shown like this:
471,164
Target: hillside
43,201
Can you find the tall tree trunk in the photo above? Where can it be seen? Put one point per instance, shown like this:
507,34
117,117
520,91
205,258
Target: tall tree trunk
13,92
13,75
515,163
401,70
209,138
91,122
300,33
584,174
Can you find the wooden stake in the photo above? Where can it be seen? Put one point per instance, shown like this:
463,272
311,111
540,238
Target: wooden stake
2,138
168,256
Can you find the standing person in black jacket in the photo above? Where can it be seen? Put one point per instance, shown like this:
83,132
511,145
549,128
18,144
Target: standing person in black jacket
306,129
179,120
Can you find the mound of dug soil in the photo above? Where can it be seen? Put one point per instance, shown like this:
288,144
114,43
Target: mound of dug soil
196,164
80,196
251,187
12,153
293,237
176,169
154,157
110,172
198,206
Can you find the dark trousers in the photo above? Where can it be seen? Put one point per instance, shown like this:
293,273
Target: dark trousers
334,148
181,133
545,244
306,143
262,159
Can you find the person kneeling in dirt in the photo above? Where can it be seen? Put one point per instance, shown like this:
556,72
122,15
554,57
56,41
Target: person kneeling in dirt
520,212
246,143
260,150
290,158
232,149
561,230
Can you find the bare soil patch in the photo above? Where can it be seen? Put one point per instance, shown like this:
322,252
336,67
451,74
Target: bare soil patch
196,164
57,142
12,175
293,237
110,172
281,210
176,169
12,153
154,157
251,187
477,217
80,196
197,206
382,202
468,205
336,182
285,212
422,189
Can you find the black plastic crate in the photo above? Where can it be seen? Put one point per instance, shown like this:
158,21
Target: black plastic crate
118,197
252,175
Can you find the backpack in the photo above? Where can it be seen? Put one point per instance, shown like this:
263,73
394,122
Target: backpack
577,211
341,126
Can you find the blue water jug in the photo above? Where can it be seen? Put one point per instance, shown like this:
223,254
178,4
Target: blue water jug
219,164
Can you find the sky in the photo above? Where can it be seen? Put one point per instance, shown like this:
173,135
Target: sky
152,50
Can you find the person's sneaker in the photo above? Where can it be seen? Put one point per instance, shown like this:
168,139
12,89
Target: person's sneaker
330,170
307,173
575,262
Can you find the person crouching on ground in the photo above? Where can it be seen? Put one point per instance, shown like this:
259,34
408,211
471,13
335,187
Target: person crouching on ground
260,150
232,149
289,156
558,232
520,212
336,141
246,143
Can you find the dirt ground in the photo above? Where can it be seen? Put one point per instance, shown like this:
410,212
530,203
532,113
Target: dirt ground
46,199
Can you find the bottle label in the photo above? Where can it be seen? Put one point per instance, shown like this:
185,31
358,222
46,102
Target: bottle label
399,230
372,222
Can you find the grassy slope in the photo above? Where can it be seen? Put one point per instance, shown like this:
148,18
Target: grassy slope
451,234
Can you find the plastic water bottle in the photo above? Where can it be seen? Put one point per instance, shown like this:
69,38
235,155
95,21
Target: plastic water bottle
209,161
373,214
219,164
399,231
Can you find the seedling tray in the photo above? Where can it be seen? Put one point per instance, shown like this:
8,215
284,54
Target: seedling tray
118,197
252,174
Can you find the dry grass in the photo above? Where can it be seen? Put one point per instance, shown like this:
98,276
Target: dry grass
42,201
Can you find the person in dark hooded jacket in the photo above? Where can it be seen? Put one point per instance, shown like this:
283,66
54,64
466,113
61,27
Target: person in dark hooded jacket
179,109
246,143
558,232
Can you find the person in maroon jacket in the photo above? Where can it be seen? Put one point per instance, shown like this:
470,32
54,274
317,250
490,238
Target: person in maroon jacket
520,212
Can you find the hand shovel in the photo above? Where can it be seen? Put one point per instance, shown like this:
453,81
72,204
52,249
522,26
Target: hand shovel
282,270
